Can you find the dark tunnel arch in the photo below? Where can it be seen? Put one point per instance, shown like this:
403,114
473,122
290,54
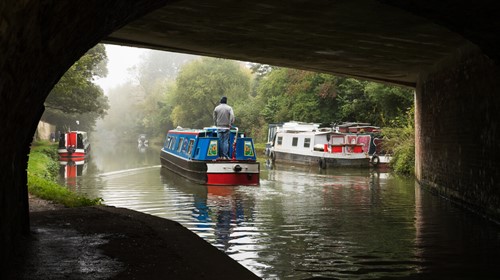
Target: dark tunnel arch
42,40
54,34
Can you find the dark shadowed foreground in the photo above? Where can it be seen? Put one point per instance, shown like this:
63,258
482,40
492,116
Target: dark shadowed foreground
115,243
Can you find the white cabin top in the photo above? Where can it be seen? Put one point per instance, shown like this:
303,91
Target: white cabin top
299,126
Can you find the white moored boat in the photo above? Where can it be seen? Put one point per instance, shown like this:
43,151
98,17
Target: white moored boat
308,144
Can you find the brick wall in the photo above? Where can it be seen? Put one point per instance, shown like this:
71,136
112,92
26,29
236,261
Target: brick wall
458,132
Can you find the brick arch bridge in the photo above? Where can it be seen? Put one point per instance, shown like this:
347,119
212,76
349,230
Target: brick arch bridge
445,50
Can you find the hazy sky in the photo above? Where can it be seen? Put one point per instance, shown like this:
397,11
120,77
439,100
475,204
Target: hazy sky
120,59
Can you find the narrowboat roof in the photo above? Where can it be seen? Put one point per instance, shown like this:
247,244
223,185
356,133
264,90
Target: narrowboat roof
349,124
303,127
181,130
345,127
185,131
299,126
316,132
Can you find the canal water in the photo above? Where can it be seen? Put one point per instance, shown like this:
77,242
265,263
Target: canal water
305,222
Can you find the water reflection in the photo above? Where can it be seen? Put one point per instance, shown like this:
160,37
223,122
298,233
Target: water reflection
219,212
108,157
142,147
70,170
303,222
338,219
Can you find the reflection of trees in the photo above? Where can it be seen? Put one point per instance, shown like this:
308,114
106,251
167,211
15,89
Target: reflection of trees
116,155
335,224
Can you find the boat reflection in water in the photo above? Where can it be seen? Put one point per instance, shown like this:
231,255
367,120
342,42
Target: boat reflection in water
219,214
142,143
142,147
69,170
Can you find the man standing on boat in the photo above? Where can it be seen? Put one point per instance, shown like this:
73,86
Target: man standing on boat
223,119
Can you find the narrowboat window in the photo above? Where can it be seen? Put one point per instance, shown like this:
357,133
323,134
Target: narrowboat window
184,145
307,142
179,146
79,141
167,142
172,143
280,140
190,146
295,140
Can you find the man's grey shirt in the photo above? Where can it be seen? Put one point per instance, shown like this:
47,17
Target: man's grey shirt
223,115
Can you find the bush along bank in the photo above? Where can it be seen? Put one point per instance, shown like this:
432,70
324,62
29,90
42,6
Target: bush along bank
42,175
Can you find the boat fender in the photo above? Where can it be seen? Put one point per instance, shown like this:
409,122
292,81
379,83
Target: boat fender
322,163
273,156
237,168
375,160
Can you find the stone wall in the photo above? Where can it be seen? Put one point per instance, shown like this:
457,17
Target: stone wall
458,132
43,130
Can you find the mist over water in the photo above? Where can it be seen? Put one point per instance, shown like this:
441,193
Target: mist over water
305,222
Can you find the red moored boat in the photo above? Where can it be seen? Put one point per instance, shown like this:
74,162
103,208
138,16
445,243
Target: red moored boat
73,145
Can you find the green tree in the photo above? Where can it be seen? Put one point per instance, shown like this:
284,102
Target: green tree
201,84
159,67
400,140
143,105
155,77
289,94
74,121
155,109
372,102
75,97
389,102
353,103
124,117
75,92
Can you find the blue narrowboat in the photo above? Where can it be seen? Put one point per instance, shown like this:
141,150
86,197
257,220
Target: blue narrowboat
195,154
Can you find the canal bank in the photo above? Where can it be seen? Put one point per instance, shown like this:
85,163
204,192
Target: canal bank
104,242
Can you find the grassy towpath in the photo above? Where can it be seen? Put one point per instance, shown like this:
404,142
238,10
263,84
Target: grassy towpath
42,177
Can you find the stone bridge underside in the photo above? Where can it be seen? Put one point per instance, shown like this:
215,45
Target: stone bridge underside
445,50
366,39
